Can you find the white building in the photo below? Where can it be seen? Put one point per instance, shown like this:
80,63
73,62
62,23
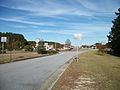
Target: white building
48,47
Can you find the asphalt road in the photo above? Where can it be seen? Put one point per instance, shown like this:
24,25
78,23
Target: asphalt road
29,74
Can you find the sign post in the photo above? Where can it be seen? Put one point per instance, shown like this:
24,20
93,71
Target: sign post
3,40
77,37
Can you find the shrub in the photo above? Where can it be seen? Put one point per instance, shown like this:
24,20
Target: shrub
28,48
41,50
51,52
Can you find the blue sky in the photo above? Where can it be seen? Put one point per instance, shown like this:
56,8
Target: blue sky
58,20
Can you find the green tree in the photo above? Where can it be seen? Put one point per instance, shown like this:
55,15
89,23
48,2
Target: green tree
67,43
32,43
17,45
114,35
14,41
28,48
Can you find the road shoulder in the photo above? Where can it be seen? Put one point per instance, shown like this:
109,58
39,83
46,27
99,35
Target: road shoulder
53,78
92,72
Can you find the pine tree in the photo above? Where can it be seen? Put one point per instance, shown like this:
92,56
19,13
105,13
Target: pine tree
114,37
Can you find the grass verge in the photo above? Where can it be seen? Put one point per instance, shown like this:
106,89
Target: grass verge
93,71
18,56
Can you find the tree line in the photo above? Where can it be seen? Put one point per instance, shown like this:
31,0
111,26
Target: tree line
14,41
18,42
114,35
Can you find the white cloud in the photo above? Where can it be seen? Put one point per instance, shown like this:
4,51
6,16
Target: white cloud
18,26
49,8
63,32
87,30
57,9
21,20
106,6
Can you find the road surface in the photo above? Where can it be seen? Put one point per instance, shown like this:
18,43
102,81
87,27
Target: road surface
30,74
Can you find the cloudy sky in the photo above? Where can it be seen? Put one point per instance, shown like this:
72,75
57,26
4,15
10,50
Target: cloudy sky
58,20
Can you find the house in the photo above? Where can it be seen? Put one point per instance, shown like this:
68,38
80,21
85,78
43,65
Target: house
48,47
103,47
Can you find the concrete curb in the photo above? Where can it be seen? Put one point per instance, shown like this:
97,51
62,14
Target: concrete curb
63,68
50,82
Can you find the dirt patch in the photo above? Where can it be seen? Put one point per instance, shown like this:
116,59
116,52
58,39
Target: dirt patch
84,82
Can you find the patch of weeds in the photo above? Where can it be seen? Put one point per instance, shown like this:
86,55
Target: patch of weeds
100,53
21,57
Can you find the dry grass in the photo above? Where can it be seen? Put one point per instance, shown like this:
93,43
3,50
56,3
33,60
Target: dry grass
17,56
92,72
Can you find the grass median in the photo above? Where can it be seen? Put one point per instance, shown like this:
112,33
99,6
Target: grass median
93,71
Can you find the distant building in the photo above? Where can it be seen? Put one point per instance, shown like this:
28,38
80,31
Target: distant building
105,47
48,47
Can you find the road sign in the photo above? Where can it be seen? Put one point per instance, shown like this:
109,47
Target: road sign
3,39
77,36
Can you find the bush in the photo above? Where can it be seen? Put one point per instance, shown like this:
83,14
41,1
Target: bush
51,52
9,47
101,53
41,50
28,48
2,51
